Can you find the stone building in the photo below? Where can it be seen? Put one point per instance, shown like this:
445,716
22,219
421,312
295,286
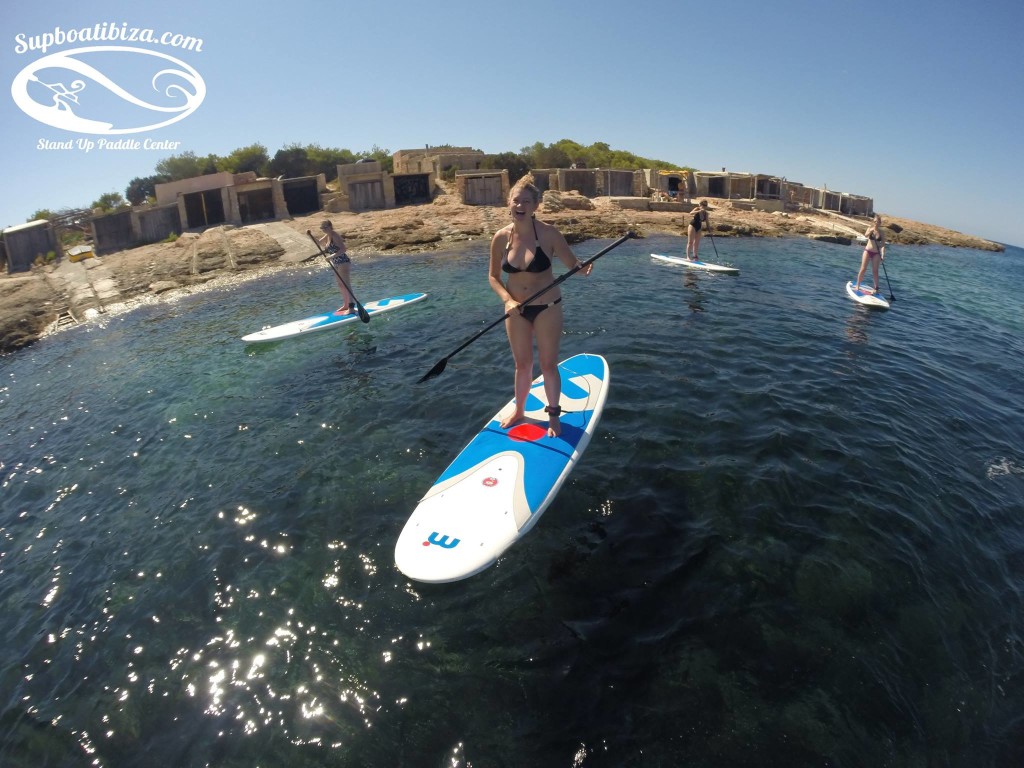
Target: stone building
24,243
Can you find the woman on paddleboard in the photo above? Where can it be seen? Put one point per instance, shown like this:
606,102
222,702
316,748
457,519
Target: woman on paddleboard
874,251
333,243
694,230
525,250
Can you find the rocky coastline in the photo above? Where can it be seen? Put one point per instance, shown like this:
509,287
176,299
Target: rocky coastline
50,297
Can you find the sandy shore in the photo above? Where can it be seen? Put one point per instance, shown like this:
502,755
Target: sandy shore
48,298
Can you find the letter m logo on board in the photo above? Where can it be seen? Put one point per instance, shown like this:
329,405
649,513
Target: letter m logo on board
442,541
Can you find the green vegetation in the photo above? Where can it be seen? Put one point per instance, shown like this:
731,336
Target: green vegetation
141,189
564,153
110,202
312,159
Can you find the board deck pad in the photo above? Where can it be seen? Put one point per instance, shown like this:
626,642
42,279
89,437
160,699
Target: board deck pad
698,264
329,320
497,488
866,296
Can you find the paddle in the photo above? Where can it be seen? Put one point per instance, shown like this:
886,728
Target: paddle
441,364
891,297
363,314
708,224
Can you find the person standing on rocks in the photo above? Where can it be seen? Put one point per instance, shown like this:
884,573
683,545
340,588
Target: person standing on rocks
333,243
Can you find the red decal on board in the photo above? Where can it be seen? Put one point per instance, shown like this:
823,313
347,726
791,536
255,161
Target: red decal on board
490,482
527,432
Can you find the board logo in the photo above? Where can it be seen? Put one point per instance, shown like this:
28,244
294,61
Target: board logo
75,90
490,482
443,541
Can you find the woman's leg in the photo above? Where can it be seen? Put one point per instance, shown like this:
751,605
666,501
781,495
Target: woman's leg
696,243
520,339
548,330
863,268
345,270
689,239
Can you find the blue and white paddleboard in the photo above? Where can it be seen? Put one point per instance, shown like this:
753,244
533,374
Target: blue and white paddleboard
331,319
866,296
500,484
704,265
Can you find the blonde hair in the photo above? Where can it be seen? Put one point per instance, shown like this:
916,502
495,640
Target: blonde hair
526,184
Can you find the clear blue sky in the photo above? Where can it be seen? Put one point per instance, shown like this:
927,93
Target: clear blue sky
918,104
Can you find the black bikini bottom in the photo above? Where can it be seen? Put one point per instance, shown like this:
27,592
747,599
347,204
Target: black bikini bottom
530,311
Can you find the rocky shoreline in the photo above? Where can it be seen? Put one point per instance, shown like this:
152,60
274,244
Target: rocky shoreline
36,303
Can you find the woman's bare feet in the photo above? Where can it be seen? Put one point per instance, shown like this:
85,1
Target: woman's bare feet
554,424
513,419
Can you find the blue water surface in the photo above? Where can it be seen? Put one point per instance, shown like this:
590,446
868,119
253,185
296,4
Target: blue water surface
797,537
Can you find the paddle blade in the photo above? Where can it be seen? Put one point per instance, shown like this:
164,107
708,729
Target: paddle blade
363,314
437,370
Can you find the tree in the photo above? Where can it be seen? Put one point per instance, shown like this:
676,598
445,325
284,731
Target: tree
110,201
290,161
541,156
326,160
383,156
512,162
42,213
186,165
141,188
252,158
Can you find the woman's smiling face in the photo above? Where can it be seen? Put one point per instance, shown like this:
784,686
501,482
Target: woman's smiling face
522,203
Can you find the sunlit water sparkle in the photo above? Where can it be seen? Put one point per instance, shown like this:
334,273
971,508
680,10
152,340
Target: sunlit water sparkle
796,538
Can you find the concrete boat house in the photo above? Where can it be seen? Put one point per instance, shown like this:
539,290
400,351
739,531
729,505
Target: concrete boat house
243,198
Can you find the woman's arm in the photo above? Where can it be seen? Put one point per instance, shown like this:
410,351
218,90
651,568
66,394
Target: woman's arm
498,243
560,249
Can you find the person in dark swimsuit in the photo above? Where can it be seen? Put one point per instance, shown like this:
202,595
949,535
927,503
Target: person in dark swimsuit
333,243
874,251
524,251
698,222
539,263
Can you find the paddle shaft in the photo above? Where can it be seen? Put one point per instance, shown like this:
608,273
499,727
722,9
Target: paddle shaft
708,225
891,297
440,365
363,314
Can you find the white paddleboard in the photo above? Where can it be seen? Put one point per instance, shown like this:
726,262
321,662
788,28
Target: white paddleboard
866,296
497,488
704,265
330,319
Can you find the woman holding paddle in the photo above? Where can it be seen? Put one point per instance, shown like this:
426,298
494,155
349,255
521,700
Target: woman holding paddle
525,250
874,251
698,222
333,243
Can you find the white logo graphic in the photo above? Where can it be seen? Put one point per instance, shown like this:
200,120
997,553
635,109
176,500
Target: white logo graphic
65,92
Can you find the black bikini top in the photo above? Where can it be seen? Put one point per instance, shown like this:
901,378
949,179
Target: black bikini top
540,262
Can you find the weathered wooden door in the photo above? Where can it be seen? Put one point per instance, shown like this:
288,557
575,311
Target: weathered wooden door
484,190
366,195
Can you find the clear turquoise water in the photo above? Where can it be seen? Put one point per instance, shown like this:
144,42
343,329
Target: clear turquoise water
796,538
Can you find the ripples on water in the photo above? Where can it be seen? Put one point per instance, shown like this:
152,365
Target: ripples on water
796,538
